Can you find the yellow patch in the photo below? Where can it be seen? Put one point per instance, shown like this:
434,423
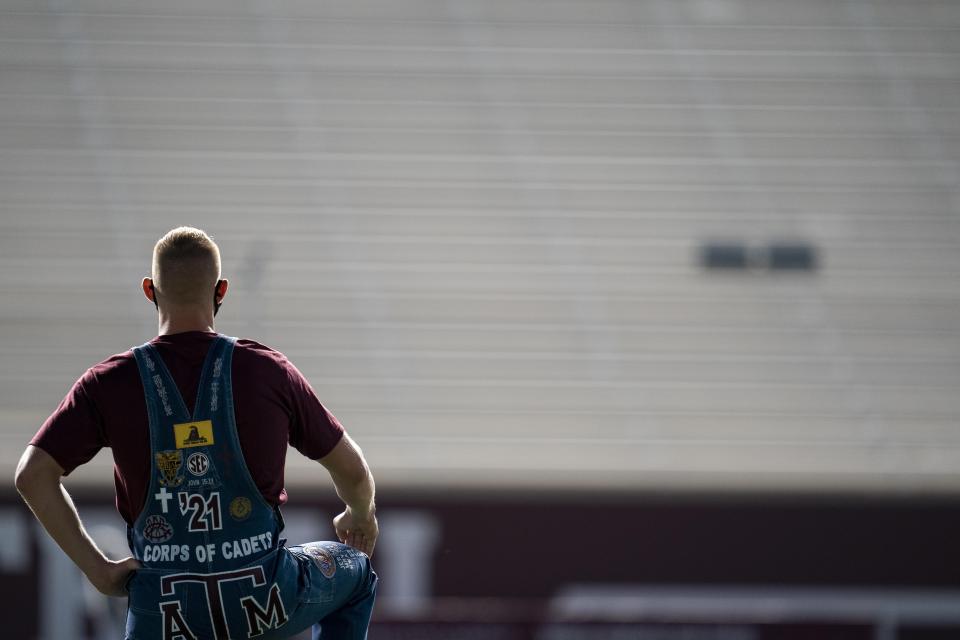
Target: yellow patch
240,508
193,434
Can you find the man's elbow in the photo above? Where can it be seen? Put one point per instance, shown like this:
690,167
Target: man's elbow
23,478
35,467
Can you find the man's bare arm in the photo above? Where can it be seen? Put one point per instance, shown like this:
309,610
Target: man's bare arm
357,525
38,481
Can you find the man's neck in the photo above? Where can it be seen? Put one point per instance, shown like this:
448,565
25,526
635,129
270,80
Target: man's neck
182,322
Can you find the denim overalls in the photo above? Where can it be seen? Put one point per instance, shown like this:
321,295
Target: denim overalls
213,564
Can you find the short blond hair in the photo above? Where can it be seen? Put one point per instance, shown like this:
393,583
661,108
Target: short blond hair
186,266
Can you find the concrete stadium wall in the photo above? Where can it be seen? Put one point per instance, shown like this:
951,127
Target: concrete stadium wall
476,226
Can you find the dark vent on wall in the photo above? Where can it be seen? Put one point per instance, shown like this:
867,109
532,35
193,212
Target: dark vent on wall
775,256
792,256
724,256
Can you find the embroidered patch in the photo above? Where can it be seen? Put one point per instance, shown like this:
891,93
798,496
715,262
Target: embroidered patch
322,559
157,529
240,508
193,434
197,464
169,463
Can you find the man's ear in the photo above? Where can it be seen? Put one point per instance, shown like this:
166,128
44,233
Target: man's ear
221,289
148,291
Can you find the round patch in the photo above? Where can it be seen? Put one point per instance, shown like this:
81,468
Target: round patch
198,464
240,508
157,529
322,559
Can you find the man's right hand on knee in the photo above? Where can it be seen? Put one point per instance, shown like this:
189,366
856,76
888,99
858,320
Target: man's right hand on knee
358,532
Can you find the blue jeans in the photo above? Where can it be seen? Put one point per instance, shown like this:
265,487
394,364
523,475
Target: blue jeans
337,599
332,588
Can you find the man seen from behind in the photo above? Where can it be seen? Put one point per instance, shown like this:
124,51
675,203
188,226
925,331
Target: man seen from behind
199,424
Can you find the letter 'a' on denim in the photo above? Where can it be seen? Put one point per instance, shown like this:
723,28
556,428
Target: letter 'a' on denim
214,566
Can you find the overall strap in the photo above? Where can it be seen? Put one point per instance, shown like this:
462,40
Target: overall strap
214,394
201,491
206,537
166,408
163,399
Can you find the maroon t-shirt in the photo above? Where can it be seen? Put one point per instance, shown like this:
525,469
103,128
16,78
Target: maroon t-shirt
273,404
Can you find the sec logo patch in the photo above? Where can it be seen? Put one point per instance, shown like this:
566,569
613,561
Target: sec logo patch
240,508
198,464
